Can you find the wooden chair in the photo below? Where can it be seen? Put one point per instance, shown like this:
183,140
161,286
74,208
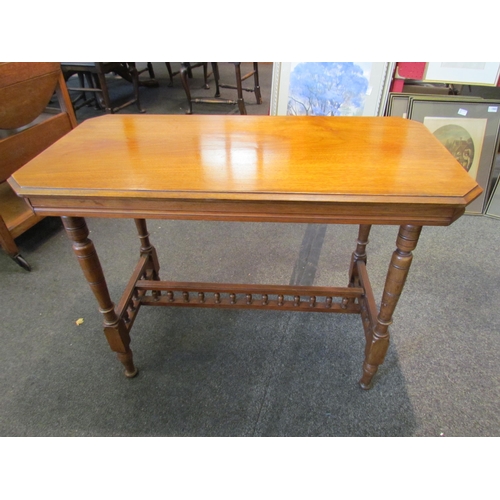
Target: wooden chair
28,125
238,86
188,67
92,80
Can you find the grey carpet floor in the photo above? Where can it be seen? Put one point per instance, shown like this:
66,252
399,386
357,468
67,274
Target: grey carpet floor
251,373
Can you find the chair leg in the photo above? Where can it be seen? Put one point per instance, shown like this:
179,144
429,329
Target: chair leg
135,81
205,75
256,81
104,90
9,245
215,71
151,71
170,74
90,83
99,101
81,79
184,72
241,101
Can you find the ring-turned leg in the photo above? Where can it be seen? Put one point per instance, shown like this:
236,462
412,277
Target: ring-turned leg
150,251
114,328
359,254
376,346
147,248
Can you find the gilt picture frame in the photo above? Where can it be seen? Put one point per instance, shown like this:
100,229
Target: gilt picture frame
469,128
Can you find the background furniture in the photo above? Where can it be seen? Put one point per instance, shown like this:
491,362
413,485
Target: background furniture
189,69
185,68
92,79
27,127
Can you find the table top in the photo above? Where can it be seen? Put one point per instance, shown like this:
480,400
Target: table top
340,169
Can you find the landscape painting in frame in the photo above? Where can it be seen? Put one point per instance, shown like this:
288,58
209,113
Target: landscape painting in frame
463,138
469,129
330,88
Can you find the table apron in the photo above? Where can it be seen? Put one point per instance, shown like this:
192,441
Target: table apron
389,213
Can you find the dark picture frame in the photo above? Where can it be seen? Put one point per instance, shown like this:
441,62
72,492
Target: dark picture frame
398,104
470,130
493,208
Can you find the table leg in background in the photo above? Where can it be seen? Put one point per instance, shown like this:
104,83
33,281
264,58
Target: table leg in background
358,255
147,248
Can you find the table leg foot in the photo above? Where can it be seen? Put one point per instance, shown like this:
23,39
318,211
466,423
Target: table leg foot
126,359
368,373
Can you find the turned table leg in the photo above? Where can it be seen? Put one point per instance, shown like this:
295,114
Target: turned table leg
147,248
376,346
359,253
114,328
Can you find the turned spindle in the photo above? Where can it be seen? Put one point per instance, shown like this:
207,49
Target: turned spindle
201,297
217,298
232,298
249,298
328,302
312,301
281,298
126,317
133,303
296,300
170,296
185,296
265,299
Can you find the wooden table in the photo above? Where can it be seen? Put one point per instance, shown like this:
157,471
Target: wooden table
330,170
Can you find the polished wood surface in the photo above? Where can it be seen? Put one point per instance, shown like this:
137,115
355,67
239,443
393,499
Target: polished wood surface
283,169
25,90
127,163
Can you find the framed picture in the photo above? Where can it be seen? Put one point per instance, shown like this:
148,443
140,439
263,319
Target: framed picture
469,129
398,104
330,88
493,208
472,73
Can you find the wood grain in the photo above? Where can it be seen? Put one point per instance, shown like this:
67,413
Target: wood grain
131,165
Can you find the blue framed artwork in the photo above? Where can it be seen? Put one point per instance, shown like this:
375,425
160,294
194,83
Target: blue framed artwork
330,88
